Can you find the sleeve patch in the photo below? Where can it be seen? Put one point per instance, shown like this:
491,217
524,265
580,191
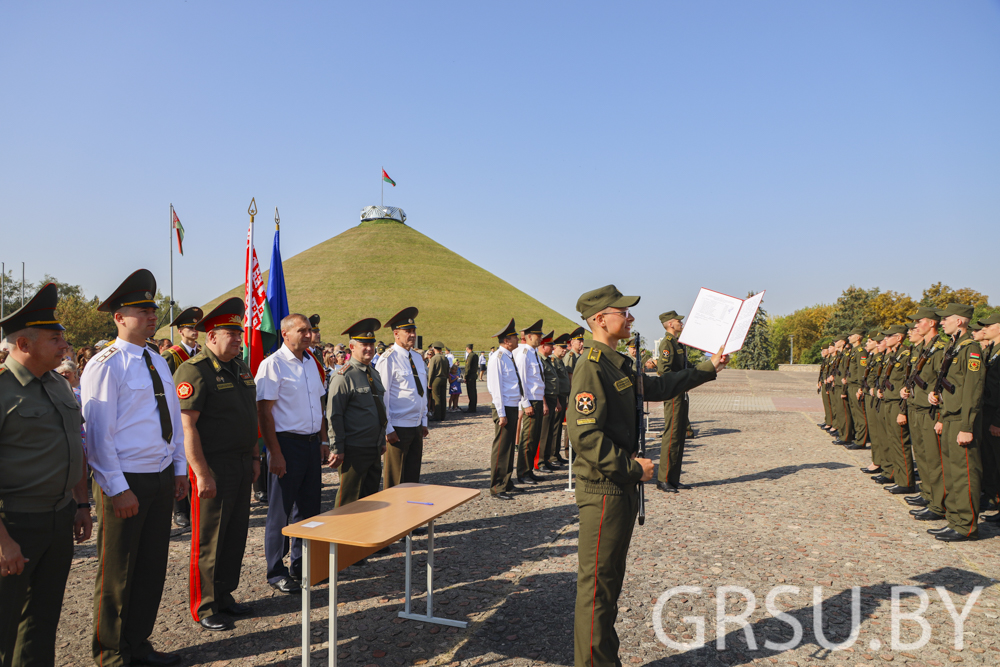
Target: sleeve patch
581,422
864,362
623,384
184,390
585,403
974,365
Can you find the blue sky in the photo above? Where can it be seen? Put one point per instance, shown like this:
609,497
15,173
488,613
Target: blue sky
660,146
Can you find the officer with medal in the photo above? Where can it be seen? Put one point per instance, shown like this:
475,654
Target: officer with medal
43,481
404,378
176,355
601,418
671,357
218,400
135,443
356,417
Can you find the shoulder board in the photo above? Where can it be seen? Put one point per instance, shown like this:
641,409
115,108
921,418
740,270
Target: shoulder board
904,353
939,345
965,342
3,369
198,358
107,354
594,354
344,369
669,337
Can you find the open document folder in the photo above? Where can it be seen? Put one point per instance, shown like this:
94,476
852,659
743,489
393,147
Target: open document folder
718,320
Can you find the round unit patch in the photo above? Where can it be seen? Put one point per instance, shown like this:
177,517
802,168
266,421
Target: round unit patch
184,390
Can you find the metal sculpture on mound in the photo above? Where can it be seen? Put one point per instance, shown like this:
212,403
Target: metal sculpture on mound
382,213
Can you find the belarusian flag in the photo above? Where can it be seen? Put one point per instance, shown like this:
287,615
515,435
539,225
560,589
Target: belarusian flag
175,222
260,332
385,177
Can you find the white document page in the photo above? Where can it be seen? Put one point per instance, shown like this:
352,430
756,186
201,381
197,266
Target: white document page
743,321
711,320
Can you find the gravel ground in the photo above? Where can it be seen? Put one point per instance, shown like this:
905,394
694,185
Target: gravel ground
773,503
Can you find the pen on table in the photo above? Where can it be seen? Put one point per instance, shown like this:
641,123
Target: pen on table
417,502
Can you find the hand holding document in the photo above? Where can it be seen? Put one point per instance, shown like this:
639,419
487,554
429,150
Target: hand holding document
719,323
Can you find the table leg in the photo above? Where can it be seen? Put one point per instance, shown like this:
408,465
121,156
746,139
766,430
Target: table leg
430,569
332,641
569,466
409,552
306,560
429,617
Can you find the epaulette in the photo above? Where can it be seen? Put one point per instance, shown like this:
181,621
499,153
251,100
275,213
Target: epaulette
3,369
939,345
594,354
965,342
107,354
669,337
343,369
198,358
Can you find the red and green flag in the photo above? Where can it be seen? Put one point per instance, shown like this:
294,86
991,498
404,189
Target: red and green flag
175,223
385,177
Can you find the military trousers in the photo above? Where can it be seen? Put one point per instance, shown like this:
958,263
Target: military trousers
675,417
502,453
606,524
403,458
926,456
360,474
990,454
291,498
963,471
874,430
846,425
439,390
559,430
835,406
219,528
472,391
546,445
827,409
30,602
881,435
900,446
556,429
131,568
531,432
858,415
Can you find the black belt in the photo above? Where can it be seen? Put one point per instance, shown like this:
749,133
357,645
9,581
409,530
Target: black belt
313,437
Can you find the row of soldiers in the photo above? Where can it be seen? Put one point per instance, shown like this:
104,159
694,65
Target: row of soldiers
926,396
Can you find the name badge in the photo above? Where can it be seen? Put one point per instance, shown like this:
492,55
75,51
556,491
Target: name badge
623,384
224,385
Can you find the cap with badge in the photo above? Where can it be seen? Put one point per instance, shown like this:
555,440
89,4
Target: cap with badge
37,313
592,302
437,345
561,340
577,333
992,319
189,317
547,338
535,328
138,290
926,312
403,319
956,309
894,329
508,330
670,315
363,330
227,315
314,322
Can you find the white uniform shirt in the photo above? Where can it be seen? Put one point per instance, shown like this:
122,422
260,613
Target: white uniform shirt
501,381
403,405
451,359
191,351
123,420
296,388
530,368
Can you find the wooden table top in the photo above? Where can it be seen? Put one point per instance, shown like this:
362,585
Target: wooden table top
384,517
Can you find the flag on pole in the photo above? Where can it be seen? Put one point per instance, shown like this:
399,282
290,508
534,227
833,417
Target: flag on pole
260,332
385,177
176,224
277,298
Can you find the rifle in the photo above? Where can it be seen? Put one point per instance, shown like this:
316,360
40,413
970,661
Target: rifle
914,376
864,381
640,424
942,378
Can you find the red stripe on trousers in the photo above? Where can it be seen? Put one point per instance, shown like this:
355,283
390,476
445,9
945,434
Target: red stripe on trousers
597,555
194,573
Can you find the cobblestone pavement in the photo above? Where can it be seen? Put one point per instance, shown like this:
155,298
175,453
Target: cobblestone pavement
773,503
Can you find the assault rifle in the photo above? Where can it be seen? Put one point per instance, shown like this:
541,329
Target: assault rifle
640,423
942,378
914,376
864,380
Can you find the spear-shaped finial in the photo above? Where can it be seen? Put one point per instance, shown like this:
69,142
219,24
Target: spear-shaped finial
277,220
252,209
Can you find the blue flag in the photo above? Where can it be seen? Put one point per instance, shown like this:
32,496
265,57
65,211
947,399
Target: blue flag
277,299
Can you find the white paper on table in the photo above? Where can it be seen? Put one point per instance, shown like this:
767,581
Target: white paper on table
743,321
718,320
312,524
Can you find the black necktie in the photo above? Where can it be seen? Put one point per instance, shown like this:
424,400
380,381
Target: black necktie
538,365
166,427
379,405
416,376
520,387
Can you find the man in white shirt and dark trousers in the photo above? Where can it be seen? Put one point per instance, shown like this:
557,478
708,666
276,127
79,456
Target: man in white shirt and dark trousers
533,405
135,444
506,393
290,398
404,377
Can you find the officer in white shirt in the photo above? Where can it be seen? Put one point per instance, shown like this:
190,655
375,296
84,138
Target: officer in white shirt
404,376
506,392
135,444
290,399
533,404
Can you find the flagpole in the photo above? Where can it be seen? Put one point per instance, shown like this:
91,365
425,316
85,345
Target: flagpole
252,210
170,241
381,180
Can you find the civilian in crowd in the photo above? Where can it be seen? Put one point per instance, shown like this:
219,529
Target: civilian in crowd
454,388
290,398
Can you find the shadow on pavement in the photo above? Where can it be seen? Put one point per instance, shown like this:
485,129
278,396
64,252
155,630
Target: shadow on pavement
775,473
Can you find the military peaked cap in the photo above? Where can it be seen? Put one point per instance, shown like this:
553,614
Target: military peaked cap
992,319
403,319
535,328
894,329
857,331
592,302
975,326
363,329
138,290
547,338
577,333
670,315
314,321
561,340
189,317
957,309
37,313
227,315
925,312
508,330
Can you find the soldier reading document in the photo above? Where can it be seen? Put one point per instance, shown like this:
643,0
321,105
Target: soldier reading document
719,321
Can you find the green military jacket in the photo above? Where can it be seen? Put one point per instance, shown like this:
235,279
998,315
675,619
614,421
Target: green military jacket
601,415
967,375
438,367
991,387
175,356
355,411
562,373
671,356
875,360
856,369
472,367
41,454
551,377
225,396
570,361
896,374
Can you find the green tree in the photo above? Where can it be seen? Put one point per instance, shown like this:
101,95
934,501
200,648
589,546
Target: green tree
85,325
805,324
756,353
853,309
812,355
939,295
892,308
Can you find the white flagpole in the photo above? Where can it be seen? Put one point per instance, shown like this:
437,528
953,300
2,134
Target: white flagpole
381,179
171,242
